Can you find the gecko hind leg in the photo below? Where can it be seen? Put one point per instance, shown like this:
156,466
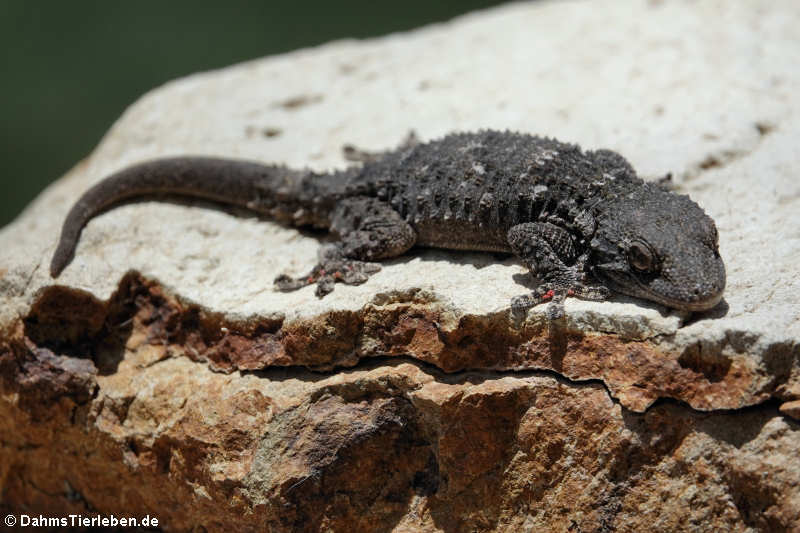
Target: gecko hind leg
369,230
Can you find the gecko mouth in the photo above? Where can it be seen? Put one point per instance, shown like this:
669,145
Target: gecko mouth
699,305
634,287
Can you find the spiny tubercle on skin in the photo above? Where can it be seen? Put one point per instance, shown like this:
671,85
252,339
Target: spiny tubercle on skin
581,221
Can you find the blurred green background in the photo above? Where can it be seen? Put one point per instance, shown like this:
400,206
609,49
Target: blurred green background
71,68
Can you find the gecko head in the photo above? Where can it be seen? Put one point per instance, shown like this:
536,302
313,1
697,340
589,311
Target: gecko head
660,246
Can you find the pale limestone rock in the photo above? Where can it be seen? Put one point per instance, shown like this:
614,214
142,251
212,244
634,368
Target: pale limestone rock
162,391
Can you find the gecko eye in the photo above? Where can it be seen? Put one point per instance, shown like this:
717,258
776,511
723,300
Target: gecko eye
641,258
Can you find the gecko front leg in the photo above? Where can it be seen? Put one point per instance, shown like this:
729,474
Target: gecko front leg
547,250
369,230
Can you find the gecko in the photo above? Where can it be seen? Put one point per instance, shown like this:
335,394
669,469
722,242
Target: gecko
582,221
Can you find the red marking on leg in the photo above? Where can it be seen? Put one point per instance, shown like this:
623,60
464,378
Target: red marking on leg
549,294
570,293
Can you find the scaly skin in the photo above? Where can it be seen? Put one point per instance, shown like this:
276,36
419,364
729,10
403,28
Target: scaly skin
582,222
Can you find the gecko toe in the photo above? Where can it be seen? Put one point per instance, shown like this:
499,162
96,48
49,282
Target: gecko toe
285,283
555,311
325,286
355,272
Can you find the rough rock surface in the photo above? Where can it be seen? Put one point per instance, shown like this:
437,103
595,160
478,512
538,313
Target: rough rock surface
162,375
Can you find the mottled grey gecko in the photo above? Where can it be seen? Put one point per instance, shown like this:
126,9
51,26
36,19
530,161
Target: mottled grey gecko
581,221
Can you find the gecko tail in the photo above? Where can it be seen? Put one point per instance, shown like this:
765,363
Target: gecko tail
65,250
272,190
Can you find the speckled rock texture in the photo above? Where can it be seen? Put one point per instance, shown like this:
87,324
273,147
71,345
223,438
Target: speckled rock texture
161,374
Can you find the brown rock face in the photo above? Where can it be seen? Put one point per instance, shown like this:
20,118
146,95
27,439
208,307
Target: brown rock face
414,324
144,405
